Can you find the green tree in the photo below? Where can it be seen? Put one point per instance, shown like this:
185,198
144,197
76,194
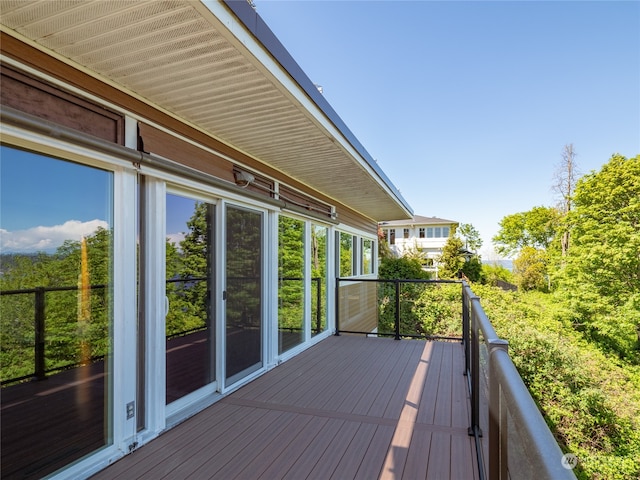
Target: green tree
530,269
470,236
605,225
452,259
600,278
535,228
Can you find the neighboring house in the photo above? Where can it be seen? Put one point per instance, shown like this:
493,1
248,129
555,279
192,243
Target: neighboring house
427,235
125,124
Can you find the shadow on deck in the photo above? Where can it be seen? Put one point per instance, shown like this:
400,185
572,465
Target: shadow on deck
349,407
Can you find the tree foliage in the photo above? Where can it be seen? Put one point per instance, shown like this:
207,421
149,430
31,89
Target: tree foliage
470,237
535,228
530,269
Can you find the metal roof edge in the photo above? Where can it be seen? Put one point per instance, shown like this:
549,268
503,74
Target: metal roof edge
258,27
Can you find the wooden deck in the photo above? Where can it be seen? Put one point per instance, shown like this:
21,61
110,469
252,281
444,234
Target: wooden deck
350,407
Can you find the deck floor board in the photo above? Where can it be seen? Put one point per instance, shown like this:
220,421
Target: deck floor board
349,407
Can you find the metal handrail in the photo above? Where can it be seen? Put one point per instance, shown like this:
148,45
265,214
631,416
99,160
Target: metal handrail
509,394
509,400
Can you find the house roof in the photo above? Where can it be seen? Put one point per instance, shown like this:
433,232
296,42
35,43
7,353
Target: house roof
419,220
219,68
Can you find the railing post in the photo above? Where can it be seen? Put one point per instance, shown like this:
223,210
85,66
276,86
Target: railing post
337,334
397,323
465,328
498,427
39,373
474,429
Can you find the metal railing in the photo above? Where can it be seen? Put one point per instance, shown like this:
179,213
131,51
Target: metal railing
508,428
520,444
390,293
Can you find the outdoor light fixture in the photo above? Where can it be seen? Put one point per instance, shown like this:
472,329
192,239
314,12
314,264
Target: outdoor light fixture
243,178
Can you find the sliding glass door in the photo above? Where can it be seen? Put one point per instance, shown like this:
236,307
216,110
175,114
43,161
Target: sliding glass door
190,324
243,293
56,312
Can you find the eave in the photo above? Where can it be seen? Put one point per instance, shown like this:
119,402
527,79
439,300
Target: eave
215,66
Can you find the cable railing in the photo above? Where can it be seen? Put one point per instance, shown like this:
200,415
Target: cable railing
511,436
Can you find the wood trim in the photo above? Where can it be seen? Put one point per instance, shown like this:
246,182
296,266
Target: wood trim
35,97
155,141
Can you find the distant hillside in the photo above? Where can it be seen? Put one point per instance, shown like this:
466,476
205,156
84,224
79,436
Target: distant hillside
508,264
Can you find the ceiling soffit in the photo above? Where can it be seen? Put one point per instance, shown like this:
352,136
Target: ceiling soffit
177,55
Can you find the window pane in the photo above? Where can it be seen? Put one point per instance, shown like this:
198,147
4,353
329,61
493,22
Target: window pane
405,233
422,233
346,254
318,279
445,232
429,232
367,257
438,234
243,306
189,326
55,311
290,283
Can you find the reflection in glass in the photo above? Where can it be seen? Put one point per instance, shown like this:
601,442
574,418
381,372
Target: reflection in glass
189,321
55,312
243,307
318,279
290,283
367,256
346,254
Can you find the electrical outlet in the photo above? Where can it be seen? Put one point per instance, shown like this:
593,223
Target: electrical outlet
131,410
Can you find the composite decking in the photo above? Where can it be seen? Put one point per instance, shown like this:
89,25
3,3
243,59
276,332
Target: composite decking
350,407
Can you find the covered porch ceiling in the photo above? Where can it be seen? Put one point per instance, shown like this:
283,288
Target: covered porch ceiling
216,66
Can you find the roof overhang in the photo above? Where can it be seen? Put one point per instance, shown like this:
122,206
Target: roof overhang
216,66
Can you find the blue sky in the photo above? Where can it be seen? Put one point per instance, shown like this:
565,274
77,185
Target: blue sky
467,106
44,203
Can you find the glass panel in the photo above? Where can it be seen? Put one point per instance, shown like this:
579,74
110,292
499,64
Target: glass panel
189,322
346,254
318,279
367,256
244,293
290,283
55,312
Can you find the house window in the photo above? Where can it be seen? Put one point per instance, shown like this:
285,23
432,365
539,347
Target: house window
421,233
291,283
445,232
392,236
429,232
367,256
346,254
319,235
405,233
438,232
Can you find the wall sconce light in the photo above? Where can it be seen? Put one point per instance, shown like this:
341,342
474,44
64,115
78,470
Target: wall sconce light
243,178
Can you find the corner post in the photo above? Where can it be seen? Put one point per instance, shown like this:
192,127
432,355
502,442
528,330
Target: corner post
498,427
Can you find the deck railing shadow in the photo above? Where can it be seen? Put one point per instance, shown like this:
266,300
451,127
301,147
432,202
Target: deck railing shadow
512,438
